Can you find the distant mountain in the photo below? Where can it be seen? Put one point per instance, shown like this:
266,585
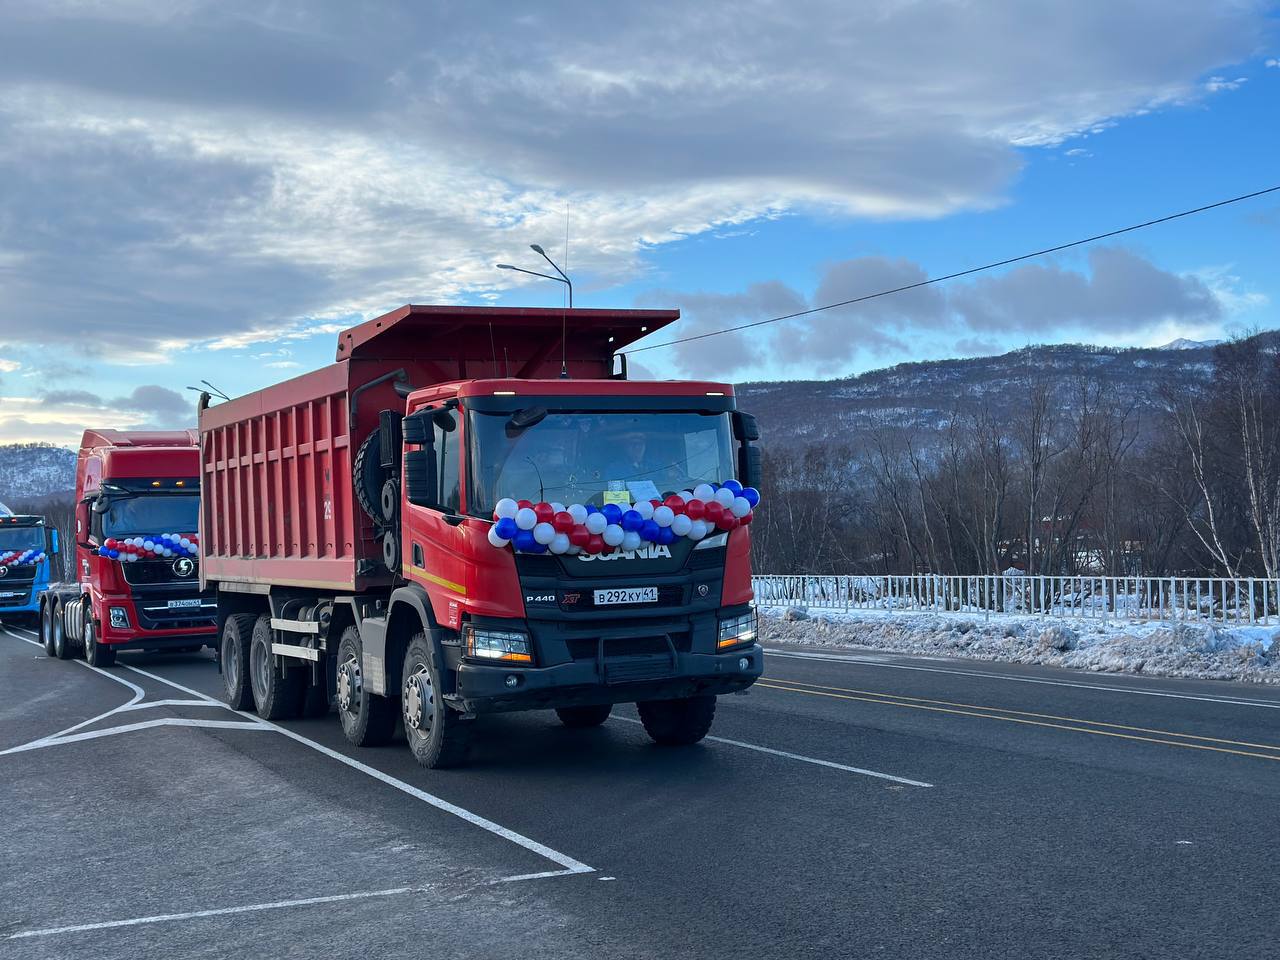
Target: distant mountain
1182,343
921,397
34,471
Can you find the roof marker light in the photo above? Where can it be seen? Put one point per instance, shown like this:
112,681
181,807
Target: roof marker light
715,393
504,393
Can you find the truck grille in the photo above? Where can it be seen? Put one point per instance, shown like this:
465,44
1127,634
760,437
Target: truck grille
586,648
19,573
142,572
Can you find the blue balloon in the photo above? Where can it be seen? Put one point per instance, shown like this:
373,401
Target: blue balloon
666,535
592,508
631,520
649,530
612,512
751,495
733,485
536,548
115,554
103,551
506,528
525,541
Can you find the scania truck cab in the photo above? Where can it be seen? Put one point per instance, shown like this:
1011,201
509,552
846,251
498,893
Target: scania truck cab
137,567
28,546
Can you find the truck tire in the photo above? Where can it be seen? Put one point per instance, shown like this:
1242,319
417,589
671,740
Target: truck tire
581,717
276,692
677,722
438,736
95,654
46,630
369,476
367,720
233,657
61,648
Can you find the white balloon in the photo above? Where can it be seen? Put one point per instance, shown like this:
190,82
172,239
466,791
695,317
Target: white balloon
644,508
685,495
703,492
631,540
596,523
131,557
544,533
578,512
148,544
526,519
680,525
614,535
506,507
557,506
663,516
559,543
741,506
168,552
574,550
186,544
496,540
724,497
697,530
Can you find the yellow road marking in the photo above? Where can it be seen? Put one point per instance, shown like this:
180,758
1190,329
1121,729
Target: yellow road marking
1033,723
1025,713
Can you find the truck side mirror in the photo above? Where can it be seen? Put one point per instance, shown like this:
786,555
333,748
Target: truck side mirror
750,466
53,540
745,428
421,487
82,525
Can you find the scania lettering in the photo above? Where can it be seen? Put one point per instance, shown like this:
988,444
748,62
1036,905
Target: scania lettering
412,532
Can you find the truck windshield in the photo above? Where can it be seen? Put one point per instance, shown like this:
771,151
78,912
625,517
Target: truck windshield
595,457
151,514
21,538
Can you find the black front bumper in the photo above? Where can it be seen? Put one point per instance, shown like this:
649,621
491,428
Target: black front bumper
204,639
482,687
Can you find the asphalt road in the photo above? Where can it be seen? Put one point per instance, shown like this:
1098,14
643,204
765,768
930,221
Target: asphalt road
864,805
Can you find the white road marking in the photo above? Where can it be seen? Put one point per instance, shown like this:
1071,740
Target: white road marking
814,760
171,703
130,728
220,912
570,865
835,658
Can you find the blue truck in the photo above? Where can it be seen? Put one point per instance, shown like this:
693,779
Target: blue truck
28,545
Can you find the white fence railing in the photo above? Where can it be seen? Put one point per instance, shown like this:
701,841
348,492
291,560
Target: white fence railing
1236,602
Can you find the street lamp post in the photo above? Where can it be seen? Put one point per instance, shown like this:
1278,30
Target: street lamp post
562,278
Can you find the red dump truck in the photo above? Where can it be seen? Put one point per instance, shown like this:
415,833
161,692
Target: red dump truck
473,510
137,571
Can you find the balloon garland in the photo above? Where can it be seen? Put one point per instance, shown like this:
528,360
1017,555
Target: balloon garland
554,528
132,549
13,558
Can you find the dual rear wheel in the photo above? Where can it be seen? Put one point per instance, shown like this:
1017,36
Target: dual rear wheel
252,680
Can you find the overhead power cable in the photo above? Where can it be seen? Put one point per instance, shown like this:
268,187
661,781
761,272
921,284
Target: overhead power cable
961,273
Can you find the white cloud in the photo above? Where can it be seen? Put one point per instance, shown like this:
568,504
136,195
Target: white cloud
9,366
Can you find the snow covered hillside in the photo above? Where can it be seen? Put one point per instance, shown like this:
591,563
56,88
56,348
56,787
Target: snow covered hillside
1191,650
30,471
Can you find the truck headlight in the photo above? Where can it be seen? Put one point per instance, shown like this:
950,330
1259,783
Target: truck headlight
119,617
509,646
737,631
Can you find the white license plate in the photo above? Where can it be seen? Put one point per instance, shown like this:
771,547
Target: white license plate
183,604
8,595
605,598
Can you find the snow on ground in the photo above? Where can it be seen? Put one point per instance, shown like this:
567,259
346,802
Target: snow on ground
1190,650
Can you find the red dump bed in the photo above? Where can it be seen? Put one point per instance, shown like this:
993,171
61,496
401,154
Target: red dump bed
278,503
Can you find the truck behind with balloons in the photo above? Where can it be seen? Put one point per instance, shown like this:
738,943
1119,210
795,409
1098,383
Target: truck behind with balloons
474,510
137,550
28,544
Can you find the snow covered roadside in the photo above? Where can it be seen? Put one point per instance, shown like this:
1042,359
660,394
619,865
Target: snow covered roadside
1188,650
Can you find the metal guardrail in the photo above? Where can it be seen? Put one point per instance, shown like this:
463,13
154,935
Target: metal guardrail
1245,601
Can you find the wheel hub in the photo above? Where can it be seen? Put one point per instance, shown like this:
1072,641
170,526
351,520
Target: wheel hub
419,699
349,685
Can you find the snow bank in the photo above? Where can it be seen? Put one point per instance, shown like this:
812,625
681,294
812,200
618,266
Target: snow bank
1190,650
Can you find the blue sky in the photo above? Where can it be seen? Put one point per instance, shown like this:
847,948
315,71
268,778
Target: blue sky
212,191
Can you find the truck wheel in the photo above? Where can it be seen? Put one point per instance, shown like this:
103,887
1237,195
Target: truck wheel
677,722
61,649
276,692
46,630
367,720
233,656
579,717
369,476
437,734
95,654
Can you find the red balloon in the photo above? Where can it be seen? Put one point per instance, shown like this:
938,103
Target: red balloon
563,521
726,521
579,536
745,518
712,512
110,543
544,513
675,503
595,544
523,504
656,503
695,509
